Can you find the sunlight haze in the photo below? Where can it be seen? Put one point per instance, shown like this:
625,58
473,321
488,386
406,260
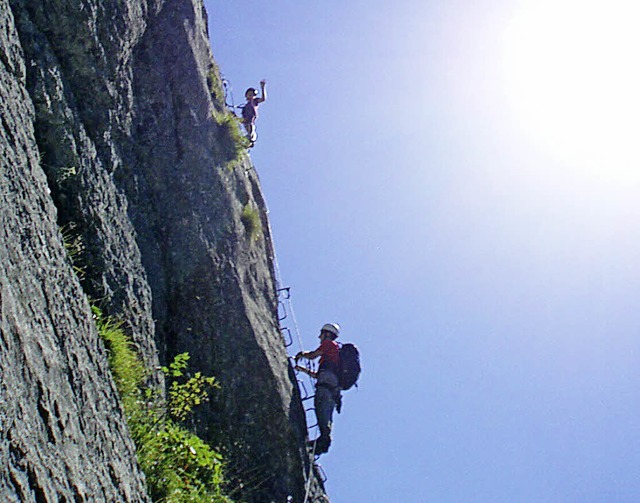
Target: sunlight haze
572,76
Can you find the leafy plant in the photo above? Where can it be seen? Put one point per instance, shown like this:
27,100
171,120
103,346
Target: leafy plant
183,397
179,466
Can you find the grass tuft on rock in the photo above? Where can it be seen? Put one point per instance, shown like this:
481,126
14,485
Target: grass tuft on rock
250,218
234,143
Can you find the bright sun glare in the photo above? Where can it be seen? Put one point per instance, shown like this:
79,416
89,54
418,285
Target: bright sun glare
573,80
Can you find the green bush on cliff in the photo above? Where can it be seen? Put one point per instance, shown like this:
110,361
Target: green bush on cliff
183,397
233,143
178,465
250,218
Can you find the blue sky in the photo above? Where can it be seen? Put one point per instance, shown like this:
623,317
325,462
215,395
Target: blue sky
456,183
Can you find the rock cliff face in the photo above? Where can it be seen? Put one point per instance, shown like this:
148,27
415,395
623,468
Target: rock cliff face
113,136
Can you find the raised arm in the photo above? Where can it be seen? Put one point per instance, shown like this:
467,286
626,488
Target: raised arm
263,91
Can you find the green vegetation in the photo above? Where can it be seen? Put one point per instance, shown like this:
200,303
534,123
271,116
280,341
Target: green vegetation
65,173
74,246
215,84
179,466
250,217
234,142
184,397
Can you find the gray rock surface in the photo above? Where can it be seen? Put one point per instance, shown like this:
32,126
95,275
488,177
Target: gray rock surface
62,433
112,131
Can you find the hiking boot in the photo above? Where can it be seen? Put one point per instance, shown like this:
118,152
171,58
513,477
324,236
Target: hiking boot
322,444
317,446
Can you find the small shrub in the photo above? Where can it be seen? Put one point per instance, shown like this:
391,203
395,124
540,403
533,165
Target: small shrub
183,397
178,465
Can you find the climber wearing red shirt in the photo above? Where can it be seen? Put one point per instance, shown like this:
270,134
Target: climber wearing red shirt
327,387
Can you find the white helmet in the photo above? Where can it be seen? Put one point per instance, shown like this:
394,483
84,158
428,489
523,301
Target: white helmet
334,328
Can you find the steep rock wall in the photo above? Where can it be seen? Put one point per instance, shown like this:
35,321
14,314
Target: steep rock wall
213,284
124,115
62,433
